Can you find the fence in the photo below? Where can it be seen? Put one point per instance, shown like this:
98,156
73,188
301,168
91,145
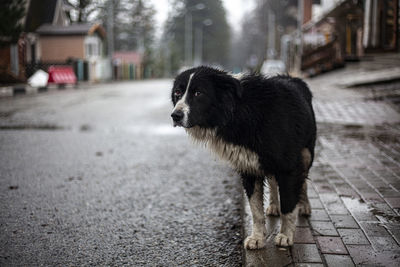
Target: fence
128,71
98,70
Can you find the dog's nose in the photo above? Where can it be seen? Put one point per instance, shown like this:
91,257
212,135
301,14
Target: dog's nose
177,115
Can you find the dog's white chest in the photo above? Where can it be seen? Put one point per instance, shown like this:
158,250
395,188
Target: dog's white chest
241,158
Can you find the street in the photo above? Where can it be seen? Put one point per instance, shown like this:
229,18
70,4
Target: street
99,176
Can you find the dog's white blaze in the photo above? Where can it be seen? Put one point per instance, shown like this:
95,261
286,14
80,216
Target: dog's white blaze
182,104
241,158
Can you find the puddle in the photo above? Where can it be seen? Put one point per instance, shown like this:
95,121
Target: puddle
7,114
353,126
162,129
85,128
358,205
46,127
386,133
111,95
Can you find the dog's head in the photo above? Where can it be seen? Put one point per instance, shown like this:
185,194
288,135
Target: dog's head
205,97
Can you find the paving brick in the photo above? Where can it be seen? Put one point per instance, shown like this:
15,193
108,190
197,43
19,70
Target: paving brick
319,215
396,185
306,253
366,255
303,235
343,221
333,204
309,265
316,203
346,172
323,228
331,245
388,192
353,236
386,242
394,230
323,187
373,229
302,221
394,202
346,190
338,260
364,216
372,197
311,192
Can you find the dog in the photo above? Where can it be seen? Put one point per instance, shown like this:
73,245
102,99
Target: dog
264,127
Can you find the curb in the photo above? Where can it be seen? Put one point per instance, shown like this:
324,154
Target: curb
371,77
24,89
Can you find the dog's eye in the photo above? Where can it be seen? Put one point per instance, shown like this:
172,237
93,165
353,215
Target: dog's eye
178,93
197,93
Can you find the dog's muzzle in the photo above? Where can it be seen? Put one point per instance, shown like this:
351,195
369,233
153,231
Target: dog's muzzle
177,117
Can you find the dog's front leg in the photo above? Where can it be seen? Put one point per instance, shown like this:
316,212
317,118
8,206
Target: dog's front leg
288,199
254,187
273,208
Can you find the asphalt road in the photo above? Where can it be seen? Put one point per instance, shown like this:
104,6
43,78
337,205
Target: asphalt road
100,177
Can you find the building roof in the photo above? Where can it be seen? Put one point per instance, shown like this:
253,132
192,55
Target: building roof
73,29
40,12
127,57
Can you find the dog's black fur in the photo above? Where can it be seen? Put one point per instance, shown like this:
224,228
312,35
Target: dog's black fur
272,117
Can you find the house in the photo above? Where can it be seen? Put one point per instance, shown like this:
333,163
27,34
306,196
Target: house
128,65
39,12
15,57
49,38
337,31
81,43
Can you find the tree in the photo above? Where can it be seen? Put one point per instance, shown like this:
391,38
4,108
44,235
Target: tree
11,26
142,29
133,24
81,9
215,33
250,47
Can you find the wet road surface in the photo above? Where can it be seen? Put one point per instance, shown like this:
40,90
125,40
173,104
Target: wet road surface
99,177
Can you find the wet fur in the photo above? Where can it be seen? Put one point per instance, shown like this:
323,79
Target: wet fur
262,126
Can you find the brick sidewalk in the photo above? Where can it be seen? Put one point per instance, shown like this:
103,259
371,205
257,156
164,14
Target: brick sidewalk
354,187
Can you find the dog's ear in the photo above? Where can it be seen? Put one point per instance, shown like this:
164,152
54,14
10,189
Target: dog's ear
230,83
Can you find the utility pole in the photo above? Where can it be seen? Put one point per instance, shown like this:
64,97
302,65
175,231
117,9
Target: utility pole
299,37
110,34
189,32
188,38
271,51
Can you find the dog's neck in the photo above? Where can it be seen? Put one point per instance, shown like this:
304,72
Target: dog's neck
241,158
204,135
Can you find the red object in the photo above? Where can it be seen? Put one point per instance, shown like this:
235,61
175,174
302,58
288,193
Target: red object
61,75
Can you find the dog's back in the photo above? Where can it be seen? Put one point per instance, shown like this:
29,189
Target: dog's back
274,118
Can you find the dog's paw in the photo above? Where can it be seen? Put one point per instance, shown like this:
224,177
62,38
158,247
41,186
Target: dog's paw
283,240
304,209
254,242
272,210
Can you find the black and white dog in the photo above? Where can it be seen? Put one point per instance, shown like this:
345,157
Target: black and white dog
265,127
